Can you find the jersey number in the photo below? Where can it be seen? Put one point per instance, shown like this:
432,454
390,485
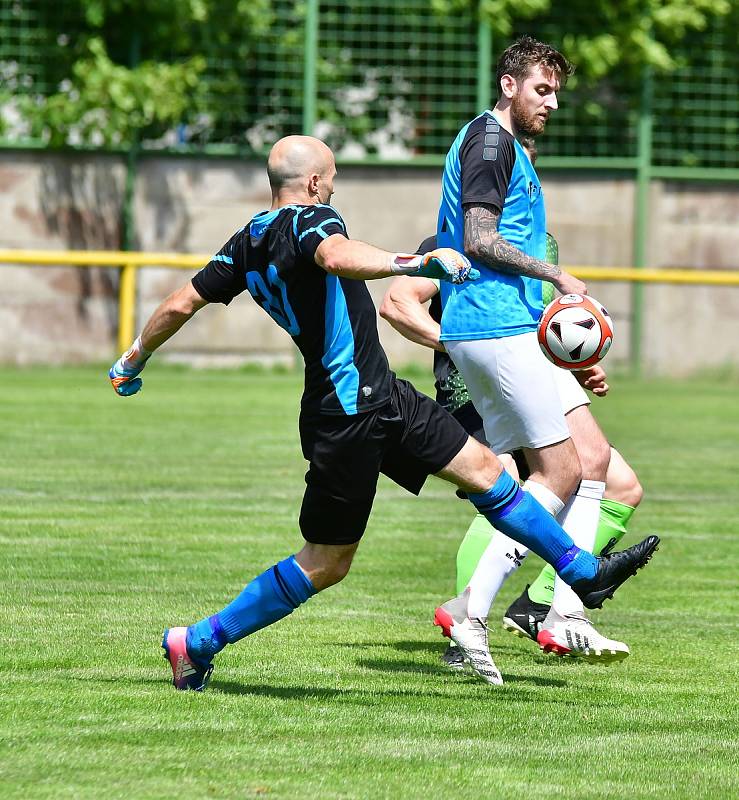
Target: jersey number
272,297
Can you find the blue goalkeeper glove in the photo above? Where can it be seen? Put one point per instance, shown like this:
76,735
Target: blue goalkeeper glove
124,373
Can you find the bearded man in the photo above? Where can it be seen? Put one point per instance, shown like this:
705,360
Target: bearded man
492,209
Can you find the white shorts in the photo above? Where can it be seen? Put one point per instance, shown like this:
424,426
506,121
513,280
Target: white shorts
521,397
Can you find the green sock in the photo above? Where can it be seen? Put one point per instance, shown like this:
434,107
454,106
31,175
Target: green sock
473,545
614,517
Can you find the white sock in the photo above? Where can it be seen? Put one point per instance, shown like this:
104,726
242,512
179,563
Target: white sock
546,497
579,518
502,556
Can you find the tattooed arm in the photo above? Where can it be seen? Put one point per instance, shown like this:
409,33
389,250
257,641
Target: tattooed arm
483,243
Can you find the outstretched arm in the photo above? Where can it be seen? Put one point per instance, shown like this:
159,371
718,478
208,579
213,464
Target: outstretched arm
404,308
484,243
166,320
351,258
171,314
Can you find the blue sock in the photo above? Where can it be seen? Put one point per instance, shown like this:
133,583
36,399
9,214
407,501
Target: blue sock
269,597
517,514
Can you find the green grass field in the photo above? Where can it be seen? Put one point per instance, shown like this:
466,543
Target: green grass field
120,517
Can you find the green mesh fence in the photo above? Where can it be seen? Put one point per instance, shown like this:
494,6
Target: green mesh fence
33,36
393,78
696,109
389,81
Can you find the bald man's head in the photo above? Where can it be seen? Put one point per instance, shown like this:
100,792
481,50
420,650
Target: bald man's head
300,165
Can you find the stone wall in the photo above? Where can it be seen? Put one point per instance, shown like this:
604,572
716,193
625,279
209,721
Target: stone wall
193,205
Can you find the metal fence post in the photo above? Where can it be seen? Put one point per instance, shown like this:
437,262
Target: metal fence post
126,307
484,64
641,215
128,223
127,281
310,66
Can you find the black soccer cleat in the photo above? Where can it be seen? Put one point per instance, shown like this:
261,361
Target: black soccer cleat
525,617
613,570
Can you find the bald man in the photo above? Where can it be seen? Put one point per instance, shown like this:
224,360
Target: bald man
356,420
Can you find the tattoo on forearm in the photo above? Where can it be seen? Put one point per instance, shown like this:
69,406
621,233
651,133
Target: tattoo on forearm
483,243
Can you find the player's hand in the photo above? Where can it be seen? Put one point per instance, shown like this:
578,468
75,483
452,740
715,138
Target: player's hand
124,373
593,379
569,284
446,264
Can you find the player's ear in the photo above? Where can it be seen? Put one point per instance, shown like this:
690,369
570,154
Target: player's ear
313,182
508,86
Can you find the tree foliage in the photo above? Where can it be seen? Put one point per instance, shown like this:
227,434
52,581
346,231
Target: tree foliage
200,71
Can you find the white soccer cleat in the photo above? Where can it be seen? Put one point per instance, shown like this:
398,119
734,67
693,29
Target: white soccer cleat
574,635
470,635
453,658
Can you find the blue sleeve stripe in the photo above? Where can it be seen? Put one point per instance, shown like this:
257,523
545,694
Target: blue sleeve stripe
225,259
309,231
318,228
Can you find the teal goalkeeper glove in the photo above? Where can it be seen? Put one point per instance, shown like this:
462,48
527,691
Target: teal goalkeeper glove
124,373
446,264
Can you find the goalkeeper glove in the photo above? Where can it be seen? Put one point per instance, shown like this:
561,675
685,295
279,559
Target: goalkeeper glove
124,373
444,264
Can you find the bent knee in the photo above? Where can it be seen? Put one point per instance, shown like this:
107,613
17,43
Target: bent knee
484,473
330,574
339,571
636,493
630,494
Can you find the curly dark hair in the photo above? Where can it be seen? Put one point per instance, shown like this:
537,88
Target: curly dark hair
525,53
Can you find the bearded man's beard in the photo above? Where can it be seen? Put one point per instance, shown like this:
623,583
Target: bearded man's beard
525,122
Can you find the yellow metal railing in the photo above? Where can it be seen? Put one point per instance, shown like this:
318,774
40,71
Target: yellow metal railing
127,262
130,262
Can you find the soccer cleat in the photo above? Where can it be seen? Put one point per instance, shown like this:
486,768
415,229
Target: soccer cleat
525,617
574,635
453,658
613,570
470,635
186,673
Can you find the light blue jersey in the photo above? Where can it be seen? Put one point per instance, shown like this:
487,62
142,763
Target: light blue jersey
486,165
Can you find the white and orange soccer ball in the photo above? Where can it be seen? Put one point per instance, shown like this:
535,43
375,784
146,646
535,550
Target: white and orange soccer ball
575,331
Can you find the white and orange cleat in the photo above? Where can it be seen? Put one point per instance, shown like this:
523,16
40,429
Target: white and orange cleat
574,635
470,635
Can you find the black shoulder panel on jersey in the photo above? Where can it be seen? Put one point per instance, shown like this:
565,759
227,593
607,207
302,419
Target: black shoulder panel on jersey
487,157
223,277
316,223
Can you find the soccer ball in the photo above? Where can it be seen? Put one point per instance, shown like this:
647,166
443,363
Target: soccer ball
575,331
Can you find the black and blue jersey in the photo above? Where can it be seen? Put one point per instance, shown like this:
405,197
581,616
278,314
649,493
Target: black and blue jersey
331,319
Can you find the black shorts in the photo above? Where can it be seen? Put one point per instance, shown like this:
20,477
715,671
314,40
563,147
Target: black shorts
471,421
408,439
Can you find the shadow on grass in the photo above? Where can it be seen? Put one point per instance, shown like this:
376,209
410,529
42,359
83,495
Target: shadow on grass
353,696
412,666
435,646
280,692
438,647
460,687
